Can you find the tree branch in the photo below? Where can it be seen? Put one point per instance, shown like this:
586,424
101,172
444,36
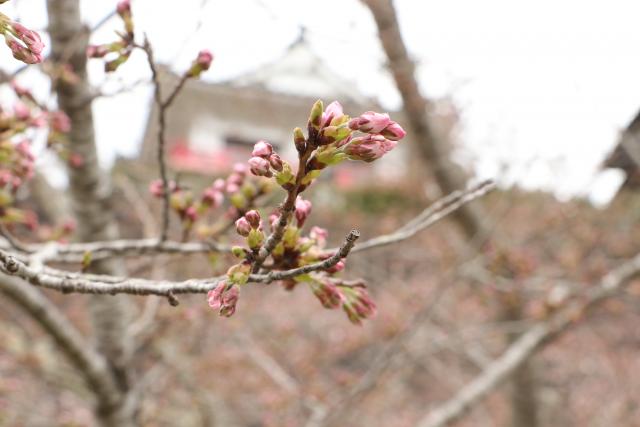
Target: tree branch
528,344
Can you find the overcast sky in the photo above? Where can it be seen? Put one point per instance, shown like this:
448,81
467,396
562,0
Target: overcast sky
544,87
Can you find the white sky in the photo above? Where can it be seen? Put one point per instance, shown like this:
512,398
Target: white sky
544,87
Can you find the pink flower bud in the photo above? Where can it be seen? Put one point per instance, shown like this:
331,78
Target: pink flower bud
319,235
369,148
212,197
240,169
336,268
59,121
201,63
333,110
155,188
262,149
21,111
243,227
370,122
75,160
214,296
124,7
253,217
204,59
303,210
22,53
229,301
191,214
96,51
259,166
20,90
30,38
218,185
276,162
328,294
393,132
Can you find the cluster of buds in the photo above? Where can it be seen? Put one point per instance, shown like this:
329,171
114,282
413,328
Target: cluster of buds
265,161
120,50
25,44
250,227
353,299
29,113
224,298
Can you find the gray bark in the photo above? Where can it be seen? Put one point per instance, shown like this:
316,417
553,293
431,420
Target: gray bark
90,194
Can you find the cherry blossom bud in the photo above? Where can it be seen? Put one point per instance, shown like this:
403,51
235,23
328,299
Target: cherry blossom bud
238,252
262,149
21,111
75,160
370,122
333,111
124,7
97,51
255,239
243,227
273,220
328,294
319,235
201,63
30,38
315,117
253,217
191,214
229,301
212,197
302,210
22,53
260,166
276,162
336,268
59,121
214,296
369,148
20,90
299,140
393,132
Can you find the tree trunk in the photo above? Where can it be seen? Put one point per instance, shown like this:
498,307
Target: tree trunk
90,194
434,149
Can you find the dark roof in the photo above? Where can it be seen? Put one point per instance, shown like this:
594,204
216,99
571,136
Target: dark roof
620,158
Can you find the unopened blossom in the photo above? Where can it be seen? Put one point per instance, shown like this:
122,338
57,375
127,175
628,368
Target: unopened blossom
260,166
30,38
336,268
327,293
21,111
369,148
59,121
123,7
229,301
243,227
370,122
276,162
302,210
97,51
214,296
212,197
201,64
190,214
393,132
157,190
333,111
253,218
22,53
262,149
319,235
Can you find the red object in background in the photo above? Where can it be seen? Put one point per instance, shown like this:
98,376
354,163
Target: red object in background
184,158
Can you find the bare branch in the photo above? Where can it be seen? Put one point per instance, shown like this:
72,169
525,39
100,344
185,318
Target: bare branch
430,216
89,363
68,282
528,344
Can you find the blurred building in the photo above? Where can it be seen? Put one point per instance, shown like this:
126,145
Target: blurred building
626,155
